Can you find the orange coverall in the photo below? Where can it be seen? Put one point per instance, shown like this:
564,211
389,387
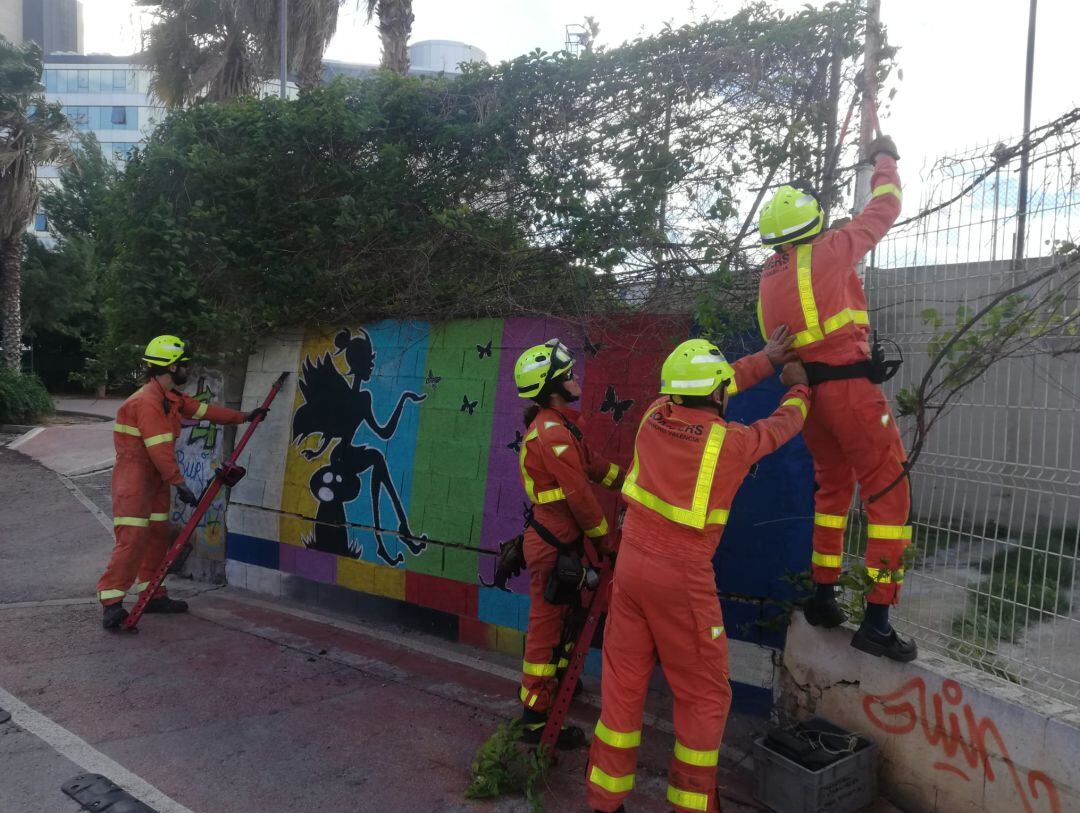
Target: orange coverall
688,464
814,289
557,470
145,433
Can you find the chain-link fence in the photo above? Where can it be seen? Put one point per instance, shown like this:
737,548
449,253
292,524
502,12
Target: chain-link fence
996,488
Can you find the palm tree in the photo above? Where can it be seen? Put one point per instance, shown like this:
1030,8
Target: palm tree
395,28
215,50
32,133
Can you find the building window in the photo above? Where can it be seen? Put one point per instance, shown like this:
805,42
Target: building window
119,80
119,115
84,81
41,223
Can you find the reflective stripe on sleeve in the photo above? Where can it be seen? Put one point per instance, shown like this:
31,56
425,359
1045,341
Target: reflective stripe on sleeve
889,532
159,517
612,784
684,798
887,189
551,495
156,439
538,669
126,429
598,531
200,411
796,402
617,739
692,756
611,476
831,520
134,522
827,559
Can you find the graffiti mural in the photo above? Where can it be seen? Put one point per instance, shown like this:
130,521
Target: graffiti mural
199,453
336,405
964,741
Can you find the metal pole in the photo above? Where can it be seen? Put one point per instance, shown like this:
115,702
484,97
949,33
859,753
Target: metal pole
284,45
866,121
1025,152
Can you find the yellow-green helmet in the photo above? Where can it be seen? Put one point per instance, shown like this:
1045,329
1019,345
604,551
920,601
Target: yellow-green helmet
166,350
792,214
695,367
539,365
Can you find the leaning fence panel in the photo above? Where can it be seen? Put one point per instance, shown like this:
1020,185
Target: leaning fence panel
996,488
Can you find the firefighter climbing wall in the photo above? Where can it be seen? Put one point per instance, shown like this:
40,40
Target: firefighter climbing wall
390,465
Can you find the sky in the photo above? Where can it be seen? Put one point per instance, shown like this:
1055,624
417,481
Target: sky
962,60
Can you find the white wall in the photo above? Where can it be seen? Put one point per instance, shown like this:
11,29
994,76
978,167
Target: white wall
952,740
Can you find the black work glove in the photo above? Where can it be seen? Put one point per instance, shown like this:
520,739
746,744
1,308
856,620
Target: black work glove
882,144
261,412
186,495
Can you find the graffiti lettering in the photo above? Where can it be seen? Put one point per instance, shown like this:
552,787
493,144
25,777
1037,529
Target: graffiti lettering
943,722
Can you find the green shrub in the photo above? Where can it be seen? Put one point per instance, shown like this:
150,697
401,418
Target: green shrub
22,397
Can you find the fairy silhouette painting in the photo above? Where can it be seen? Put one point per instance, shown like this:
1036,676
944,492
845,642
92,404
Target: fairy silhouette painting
334,407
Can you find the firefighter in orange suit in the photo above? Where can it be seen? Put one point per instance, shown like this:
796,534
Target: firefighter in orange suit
558,470
688,464
811,286
147,425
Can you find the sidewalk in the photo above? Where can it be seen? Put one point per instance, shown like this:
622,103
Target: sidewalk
244,705
77,447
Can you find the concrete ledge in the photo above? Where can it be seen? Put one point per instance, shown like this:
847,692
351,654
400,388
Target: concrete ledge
952,739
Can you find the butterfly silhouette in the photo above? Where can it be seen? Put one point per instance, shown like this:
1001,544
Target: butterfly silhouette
590,348
612,404
432,380
467,405
484,350
515,444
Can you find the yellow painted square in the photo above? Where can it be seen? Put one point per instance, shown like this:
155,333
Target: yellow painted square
388,581
510,641
355,574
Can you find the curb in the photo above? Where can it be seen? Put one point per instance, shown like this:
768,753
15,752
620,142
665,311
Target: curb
80,414
15,428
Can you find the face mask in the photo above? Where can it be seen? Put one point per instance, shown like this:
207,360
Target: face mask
180,377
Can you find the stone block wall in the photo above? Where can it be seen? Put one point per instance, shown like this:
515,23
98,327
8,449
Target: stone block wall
408,429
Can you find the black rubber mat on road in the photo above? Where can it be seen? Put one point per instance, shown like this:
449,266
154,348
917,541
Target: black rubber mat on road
96,793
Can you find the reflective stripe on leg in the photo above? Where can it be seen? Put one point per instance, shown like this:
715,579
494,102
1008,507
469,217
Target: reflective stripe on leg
687,799
617,739
538,669
692,756
612,784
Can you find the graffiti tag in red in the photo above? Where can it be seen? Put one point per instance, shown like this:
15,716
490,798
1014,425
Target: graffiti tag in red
946,722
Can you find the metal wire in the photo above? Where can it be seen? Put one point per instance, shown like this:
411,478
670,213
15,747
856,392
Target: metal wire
996,492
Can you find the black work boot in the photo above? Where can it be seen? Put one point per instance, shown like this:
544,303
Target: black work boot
570,738
873,641
113,616
822,609
164,604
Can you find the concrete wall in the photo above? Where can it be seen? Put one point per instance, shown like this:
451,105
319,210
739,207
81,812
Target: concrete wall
303,523
952,740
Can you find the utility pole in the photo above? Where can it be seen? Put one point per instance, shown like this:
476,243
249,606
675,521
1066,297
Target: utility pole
1025,150
871,48
283,26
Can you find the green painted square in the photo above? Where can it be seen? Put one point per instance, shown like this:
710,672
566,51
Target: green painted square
460,565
